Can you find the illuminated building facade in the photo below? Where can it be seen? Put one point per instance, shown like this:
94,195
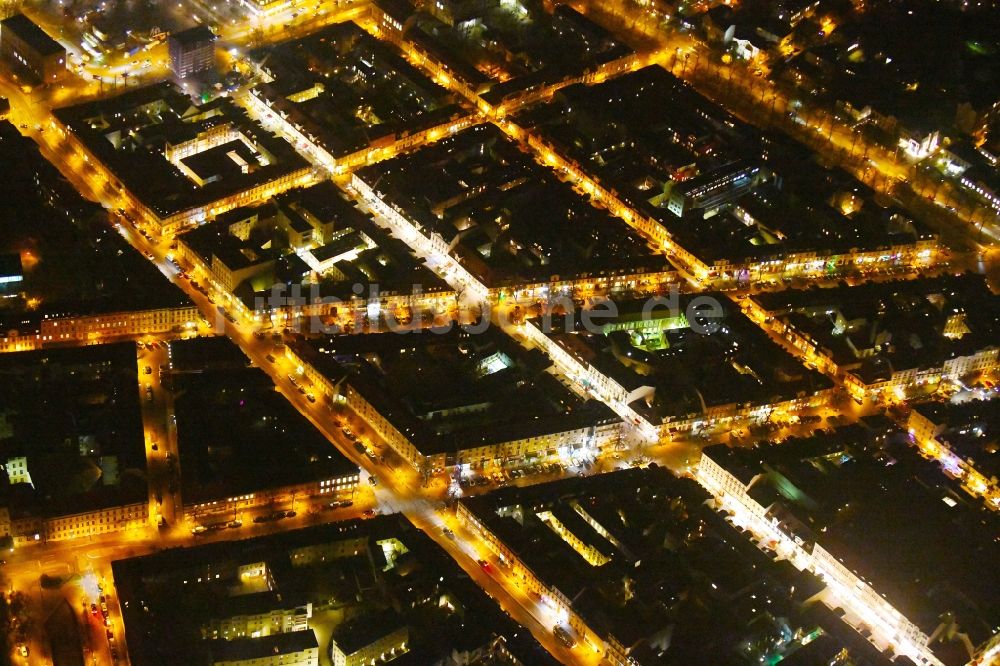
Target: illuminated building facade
191,51
297,648
552,438
380,639
335,487
262,615
715,188
28,529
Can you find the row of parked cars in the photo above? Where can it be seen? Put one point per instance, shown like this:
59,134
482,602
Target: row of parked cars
505,476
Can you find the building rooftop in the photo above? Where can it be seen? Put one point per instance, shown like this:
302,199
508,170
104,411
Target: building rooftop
650,137
74,262
205,354
879,328
362,631
75,415
890,516
196,35
347,90
345,250
131,132
363,566
29,32
237,435
525,41
454,391
487,199
663,565
682,371
971,429
11,268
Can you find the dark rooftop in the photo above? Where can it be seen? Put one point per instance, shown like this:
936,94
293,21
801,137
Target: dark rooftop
879,328
263,647
487,198
75,414
28,31
366,566
891,517
679,585
237,435
690,371
454,391
195,35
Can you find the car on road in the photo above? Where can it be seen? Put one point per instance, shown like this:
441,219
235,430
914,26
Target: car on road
369,513
486,566
339,504
310,397
563,637
448,533
270,358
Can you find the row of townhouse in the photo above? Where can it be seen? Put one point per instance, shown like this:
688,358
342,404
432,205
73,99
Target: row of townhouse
558,603
94,328
335,387
848,590
32,528
811,263
335,487
925,435
277,619
611,282
899,382
550,596
273,110
618,398
178,222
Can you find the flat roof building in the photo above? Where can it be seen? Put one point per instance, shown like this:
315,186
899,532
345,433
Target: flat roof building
191,51
298,648
27,51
